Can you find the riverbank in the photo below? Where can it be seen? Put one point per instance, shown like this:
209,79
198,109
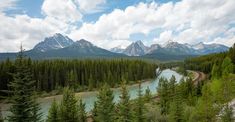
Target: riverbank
197,76
90,97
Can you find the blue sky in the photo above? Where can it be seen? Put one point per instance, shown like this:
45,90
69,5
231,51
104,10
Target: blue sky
110,23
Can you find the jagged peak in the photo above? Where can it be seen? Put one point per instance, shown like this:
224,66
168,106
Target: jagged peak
83,42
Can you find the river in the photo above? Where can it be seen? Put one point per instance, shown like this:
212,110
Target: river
90,97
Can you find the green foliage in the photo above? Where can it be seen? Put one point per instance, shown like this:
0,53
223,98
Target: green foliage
216,72
139,107
163,89
176,108
79,74
105,105
124,111
147,95
171,89
227,115
231,53
227,67
81,111
205,111
1,118
68,107
53,115
23,99
94,113
205,63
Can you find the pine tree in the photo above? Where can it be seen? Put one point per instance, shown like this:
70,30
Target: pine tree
105,105
205,109
94,112
53,115
147,95
232,53
24,106
227,67
139,106
36,115
171,91
81,111
1,118
164,96
124,111
176,108
215,73
69,107
227,115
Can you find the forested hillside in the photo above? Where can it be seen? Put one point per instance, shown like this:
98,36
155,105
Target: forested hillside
79,74
206,62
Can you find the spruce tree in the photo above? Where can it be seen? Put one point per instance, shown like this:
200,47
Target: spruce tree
147,95
36,115
81,111
227,115
139,106
24,107
232,53
227,67
215,73
94,112
69,107
105,105
172,85
205,109
164,95
124,111
1,118
53,115
176,108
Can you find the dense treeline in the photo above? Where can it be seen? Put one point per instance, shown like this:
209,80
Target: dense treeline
89,74
23,98
207,101
205,63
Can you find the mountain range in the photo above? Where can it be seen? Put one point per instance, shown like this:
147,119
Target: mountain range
173,48
60,46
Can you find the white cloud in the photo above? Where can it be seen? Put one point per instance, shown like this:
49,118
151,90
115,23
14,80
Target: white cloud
91,6
26,30
120,24
29,31
190,20
164,37
186,21
64,10
7,4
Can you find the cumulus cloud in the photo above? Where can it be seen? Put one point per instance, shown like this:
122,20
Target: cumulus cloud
64,10
7,4
91,6
164,37
186,21
27,30
120,24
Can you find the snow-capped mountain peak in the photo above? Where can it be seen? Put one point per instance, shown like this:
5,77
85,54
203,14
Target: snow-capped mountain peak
118,49
135,49
56,41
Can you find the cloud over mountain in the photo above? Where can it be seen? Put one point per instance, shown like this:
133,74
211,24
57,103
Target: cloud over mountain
186,21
